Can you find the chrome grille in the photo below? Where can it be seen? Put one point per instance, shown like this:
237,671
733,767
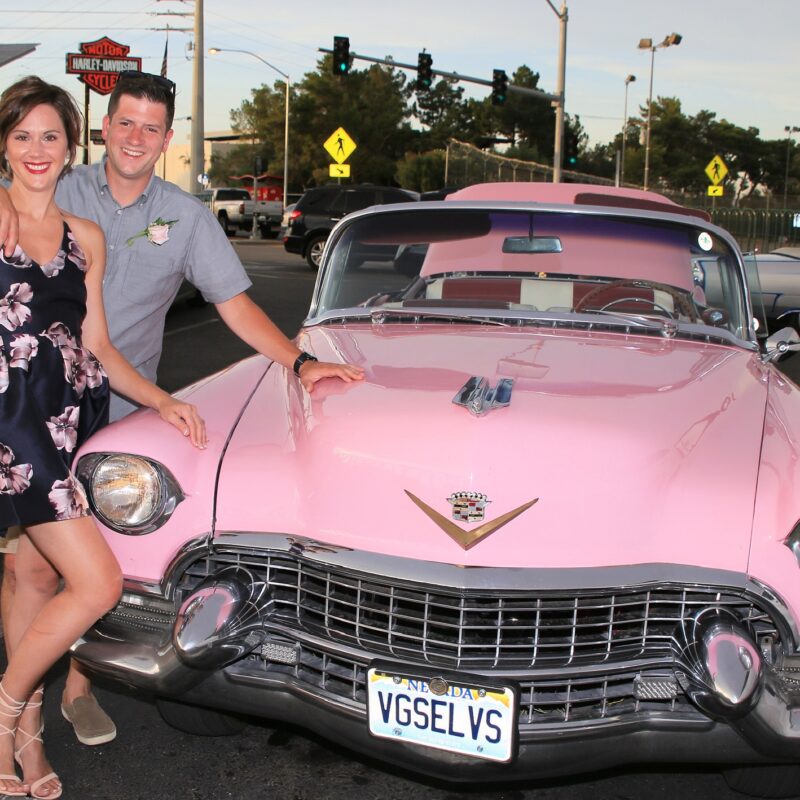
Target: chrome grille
554,700
469,630
154,616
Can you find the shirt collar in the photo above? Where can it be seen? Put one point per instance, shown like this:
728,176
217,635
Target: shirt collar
102,181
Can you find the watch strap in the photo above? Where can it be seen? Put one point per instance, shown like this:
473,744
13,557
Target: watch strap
300,360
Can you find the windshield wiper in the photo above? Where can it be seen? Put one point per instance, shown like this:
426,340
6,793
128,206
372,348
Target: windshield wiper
669,327
381,315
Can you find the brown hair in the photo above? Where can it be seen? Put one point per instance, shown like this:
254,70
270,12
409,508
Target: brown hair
22,97
144,86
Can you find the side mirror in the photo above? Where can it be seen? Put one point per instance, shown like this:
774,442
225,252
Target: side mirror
781,343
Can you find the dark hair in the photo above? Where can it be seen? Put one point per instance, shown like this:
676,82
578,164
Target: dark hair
144,86
22,97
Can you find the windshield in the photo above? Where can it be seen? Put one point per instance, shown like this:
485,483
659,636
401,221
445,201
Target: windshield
517,263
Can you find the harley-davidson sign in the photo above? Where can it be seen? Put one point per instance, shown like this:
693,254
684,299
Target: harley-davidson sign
99,63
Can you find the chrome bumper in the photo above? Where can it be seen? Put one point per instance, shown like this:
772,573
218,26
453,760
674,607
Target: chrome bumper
750,710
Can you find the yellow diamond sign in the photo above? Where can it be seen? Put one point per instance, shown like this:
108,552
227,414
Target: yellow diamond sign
716,170
340,145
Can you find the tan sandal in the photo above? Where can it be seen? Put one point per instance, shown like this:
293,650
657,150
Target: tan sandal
37,737
10,707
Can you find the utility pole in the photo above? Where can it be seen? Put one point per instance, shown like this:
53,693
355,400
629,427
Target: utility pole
197,151
558,144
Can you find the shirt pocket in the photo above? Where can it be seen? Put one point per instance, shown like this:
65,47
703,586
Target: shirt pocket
152,279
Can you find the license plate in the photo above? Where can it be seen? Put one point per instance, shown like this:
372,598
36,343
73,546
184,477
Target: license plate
459,717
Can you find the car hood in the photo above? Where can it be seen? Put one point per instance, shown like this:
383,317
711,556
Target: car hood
635,449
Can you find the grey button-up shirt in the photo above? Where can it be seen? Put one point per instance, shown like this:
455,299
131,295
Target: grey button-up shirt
141,277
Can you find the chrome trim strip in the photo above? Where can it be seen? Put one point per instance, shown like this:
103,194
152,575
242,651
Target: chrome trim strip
457,576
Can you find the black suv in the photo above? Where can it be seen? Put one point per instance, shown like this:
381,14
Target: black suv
319,209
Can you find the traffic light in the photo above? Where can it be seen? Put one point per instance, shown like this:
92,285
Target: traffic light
341,55
499,87
424,71
570,148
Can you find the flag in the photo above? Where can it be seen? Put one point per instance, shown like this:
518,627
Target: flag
164,62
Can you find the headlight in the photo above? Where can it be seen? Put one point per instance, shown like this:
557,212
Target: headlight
130,494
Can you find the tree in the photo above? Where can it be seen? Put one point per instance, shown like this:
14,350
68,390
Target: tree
422,172
369,104
261,121
529,121
440,110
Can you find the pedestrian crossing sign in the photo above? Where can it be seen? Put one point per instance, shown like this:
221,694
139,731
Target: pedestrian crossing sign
716,170
340,145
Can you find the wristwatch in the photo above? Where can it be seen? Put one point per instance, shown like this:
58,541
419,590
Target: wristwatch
300,360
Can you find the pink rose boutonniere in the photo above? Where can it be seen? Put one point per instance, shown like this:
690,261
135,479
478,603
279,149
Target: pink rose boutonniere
156,232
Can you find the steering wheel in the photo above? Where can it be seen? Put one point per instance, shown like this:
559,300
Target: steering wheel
682,305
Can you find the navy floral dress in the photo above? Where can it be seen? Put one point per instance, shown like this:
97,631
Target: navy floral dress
53,391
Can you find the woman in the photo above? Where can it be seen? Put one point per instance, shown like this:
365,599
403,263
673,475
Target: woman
56,362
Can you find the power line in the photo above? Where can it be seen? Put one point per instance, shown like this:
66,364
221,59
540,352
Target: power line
81,28
71,13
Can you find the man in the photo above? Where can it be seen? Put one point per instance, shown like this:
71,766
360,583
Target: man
156,235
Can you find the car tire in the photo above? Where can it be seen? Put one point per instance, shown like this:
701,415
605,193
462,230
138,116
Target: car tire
223,221
197,720
779,780
314,250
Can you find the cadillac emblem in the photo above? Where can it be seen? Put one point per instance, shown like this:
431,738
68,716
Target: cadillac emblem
468,506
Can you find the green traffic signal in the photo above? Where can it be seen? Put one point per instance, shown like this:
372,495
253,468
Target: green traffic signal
499,87
341,55
424,70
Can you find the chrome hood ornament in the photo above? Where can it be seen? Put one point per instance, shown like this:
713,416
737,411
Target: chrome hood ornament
478,396
463,538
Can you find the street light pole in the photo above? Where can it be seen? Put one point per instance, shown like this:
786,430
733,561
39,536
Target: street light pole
630,79
197,161
647,44
790,129
558,144
287,81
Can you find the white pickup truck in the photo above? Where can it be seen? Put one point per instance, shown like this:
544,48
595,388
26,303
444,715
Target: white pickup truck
234,210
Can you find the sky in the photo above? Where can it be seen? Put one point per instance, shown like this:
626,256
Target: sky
738,58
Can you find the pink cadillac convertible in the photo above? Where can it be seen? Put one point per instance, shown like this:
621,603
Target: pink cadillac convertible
554,530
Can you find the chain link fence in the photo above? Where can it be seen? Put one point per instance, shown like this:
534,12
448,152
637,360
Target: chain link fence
756,229
465,165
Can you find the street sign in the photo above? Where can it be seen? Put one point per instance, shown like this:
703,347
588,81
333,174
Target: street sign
340,145
716,170
339,170
99,63
715,191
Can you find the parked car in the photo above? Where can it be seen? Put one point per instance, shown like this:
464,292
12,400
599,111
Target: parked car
320,208
287,215
234,210
554,530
